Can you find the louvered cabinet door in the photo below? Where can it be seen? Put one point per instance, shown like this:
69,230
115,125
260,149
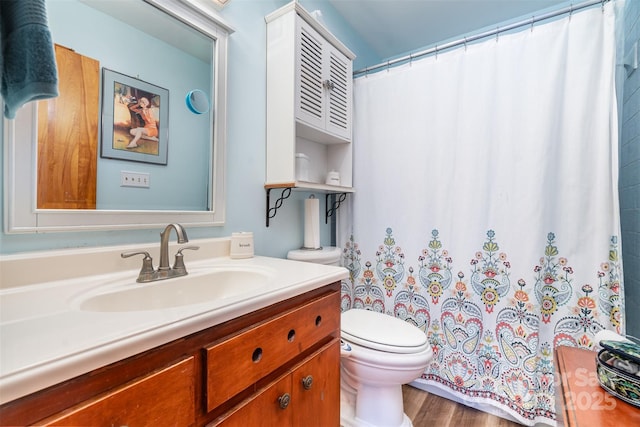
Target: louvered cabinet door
310,91
338,93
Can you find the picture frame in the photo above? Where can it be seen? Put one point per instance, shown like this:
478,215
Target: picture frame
135,119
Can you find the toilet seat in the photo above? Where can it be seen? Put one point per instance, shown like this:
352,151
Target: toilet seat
378,331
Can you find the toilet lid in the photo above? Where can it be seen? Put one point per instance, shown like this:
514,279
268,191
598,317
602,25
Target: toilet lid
381,332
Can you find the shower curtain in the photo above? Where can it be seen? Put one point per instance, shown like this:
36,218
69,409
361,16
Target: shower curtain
486,208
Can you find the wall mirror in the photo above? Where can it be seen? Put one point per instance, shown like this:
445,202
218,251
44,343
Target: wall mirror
155,49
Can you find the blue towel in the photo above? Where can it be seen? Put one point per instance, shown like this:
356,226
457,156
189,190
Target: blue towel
27,61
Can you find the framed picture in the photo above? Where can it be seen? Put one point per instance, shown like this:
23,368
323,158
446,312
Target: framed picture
135,119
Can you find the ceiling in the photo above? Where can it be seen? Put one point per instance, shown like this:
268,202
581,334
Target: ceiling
396,27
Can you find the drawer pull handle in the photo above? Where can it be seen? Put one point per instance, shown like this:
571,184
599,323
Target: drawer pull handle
307,382
284,400
292,335
318,320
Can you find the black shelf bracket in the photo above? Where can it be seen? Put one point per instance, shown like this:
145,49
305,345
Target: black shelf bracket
334,205
271,211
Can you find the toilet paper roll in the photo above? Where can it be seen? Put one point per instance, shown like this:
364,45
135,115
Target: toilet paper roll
312,223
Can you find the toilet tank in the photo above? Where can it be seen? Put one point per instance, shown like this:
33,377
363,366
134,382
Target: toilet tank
327,255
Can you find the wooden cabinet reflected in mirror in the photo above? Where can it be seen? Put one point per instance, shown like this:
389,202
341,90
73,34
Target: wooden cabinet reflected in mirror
68,135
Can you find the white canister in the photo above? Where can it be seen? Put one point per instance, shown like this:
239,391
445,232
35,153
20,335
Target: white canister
241,245
302,167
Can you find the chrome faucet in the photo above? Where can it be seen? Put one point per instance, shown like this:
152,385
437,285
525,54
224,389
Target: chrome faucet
148,273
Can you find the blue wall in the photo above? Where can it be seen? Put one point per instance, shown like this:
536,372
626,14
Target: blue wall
630,175
245,146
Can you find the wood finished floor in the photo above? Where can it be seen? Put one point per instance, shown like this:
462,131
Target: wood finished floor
427,409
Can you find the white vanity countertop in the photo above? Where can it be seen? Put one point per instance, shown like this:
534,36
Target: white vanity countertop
45,338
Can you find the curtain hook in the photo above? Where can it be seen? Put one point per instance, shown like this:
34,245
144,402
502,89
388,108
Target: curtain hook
532,22
497,33
465,44
436,52
410,59
387,65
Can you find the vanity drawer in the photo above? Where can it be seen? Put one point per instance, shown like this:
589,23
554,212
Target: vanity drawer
236,363
164,397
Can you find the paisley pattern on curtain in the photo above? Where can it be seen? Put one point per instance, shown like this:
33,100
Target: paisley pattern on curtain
486,209
508,362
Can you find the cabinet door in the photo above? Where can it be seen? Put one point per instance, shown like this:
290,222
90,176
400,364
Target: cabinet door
270,406
165,397
316,389
310,96
68,135
339,92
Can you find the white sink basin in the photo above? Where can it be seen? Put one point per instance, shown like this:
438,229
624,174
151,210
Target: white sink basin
199,286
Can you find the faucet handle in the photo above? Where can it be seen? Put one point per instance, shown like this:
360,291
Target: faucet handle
193,248
133,253
147,271
179,260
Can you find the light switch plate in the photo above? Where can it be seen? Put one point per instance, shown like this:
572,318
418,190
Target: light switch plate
134,179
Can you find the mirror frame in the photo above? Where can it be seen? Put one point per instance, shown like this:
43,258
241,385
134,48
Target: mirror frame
20,151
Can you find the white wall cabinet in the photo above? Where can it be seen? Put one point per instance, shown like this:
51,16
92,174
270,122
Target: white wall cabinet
309,102
323,88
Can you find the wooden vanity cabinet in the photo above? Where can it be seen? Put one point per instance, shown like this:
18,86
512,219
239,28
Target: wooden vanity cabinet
212,377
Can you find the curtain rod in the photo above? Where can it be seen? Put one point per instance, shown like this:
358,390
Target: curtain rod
494,32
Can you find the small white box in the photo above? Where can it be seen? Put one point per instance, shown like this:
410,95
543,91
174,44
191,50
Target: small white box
241,245
333,178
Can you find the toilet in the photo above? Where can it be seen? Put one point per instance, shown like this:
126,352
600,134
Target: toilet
383,353
379,354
